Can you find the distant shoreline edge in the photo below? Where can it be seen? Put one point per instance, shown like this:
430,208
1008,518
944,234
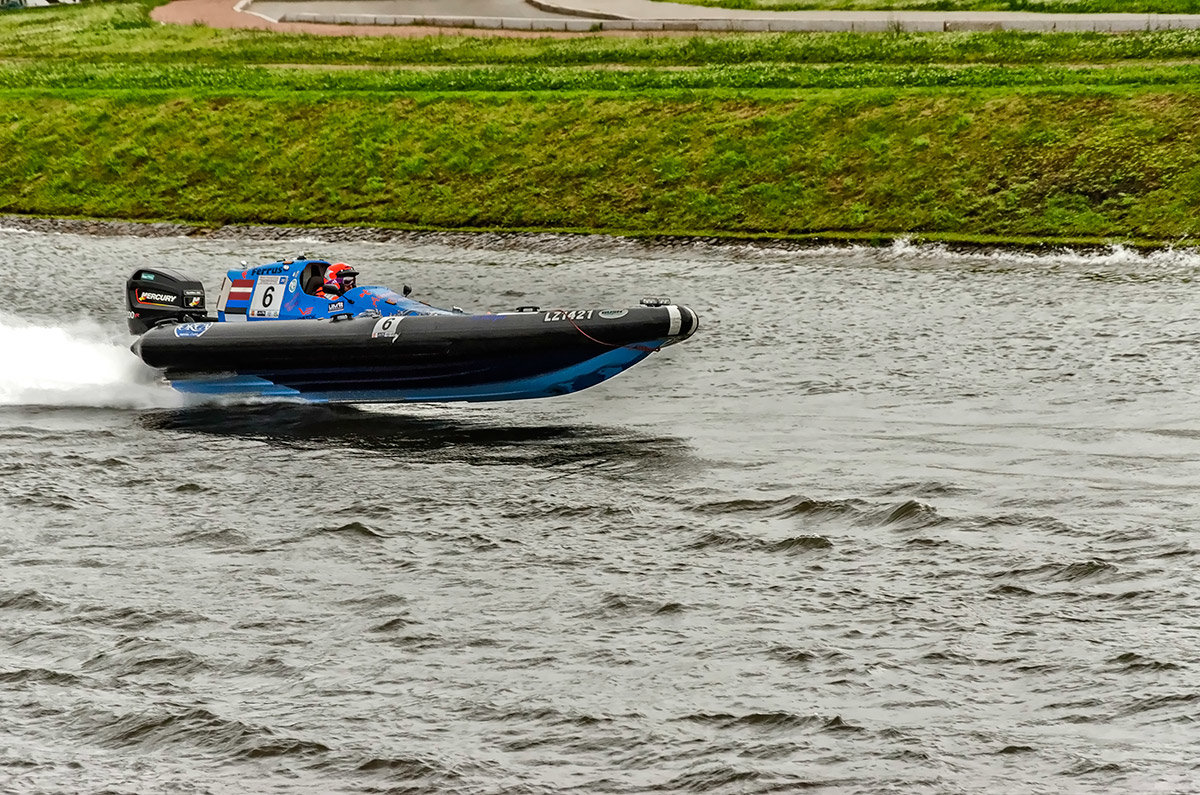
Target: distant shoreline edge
99,227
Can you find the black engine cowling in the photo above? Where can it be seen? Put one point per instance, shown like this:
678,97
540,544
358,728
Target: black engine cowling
160,295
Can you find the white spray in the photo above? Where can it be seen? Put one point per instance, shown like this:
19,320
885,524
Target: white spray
81,364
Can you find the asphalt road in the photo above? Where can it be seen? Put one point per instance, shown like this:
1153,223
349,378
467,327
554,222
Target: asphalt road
389,17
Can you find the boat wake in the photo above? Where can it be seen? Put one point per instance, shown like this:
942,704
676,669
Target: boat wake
81,364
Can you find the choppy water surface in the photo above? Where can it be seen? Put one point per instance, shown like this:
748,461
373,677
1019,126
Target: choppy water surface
894,520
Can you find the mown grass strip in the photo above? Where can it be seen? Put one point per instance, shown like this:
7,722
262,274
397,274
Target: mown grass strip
253,80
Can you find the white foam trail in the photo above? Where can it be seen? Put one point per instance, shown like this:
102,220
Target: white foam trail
81,364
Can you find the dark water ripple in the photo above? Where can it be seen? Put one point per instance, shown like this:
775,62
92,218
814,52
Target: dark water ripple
897,520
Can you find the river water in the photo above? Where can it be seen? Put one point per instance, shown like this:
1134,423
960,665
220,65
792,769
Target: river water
897,519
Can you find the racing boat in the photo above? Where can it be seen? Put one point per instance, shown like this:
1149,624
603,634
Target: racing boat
275,335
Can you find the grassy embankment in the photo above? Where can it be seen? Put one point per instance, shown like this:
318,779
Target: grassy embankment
985,137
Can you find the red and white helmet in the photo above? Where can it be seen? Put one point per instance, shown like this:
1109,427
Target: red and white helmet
339,278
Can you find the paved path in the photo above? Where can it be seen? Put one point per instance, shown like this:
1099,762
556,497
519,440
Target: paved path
613,17
646,10
234,14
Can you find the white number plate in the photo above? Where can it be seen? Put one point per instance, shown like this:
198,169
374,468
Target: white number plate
268,295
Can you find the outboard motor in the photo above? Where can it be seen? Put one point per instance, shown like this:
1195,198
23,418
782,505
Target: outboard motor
160,295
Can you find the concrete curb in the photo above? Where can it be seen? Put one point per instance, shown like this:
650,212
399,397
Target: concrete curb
554,8
487,23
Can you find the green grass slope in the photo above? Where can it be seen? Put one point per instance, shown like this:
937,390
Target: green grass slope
957,137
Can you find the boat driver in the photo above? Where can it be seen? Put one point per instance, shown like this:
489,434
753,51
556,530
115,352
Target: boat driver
339,278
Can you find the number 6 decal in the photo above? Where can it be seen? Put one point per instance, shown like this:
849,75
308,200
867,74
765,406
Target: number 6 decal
386,327
263,304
